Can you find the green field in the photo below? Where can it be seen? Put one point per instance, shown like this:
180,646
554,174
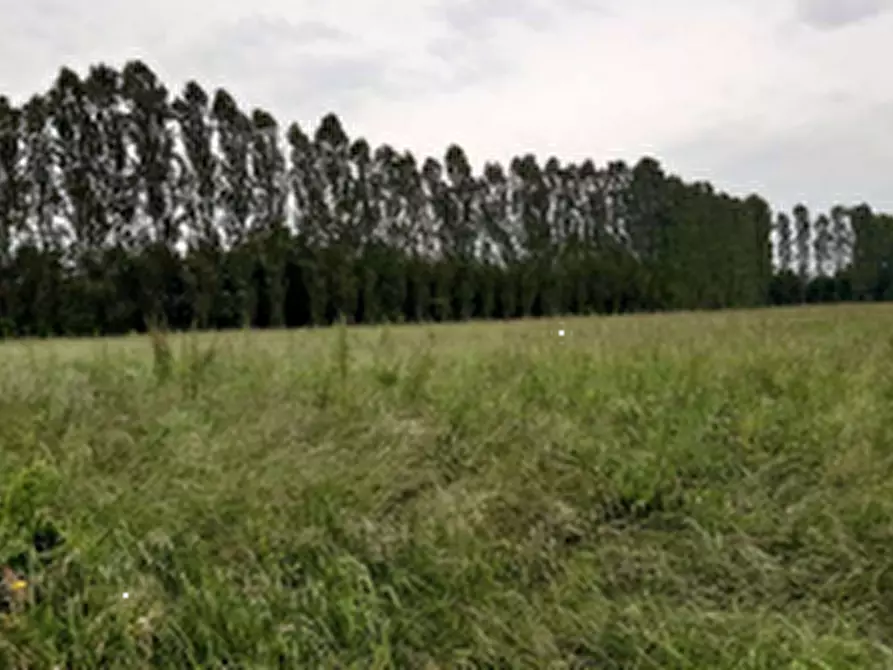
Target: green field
676,491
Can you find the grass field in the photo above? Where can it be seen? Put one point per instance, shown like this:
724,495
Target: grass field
679,491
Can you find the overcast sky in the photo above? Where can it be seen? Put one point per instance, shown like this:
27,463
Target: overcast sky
790,98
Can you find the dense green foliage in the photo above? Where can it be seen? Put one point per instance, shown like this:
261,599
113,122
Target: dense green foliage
122,205
691,491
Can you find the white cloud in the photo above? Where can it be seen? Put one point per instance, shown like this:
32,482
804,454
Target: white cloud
791,96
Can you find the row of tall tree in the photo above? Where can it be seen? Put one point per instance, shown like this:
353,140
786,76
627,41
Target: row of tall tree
124,205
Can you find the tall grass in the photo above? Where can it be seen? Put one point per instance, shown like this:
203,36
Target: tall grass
686,491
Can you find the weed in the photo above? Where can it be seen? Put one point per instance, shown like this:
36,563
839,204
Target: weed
162,355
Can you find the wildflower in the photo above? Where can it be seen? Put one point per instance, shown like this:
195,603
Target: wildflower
13,590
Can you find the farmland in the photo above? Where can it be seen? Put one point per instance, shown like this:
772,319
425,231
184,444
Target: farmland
695,490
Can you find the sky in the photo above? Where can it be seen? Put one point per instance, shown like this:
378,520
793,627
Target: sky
791,99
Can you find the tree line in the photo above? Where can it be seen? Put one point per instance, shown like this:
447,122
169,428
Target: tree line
123,206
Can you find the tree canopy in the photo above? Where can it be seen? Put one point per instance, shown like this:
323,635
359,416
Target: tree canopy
123,204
